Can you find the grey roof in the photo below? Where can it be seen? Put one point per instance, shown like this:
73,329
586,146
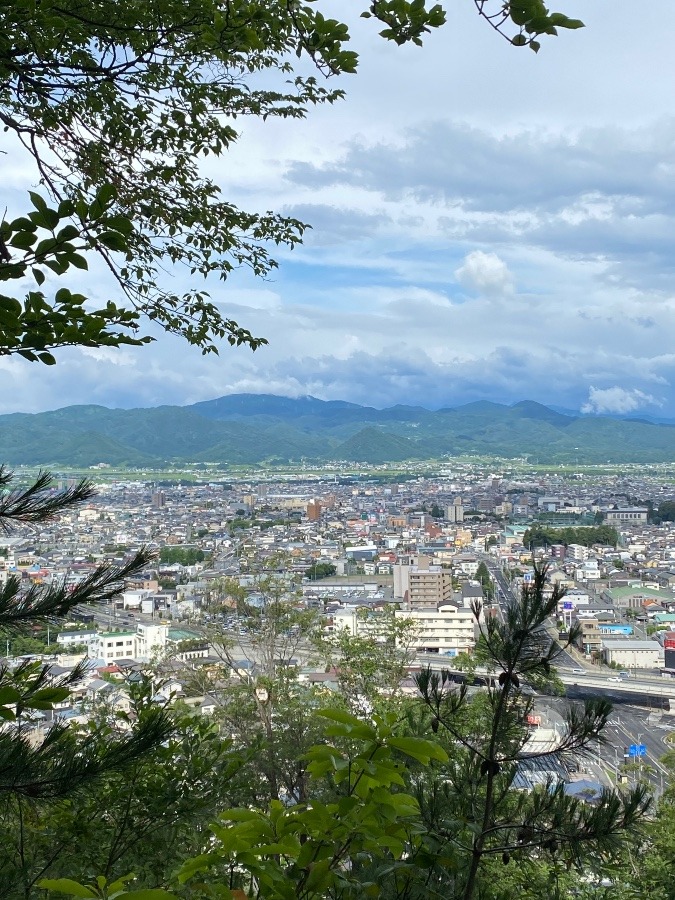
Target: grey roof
631,645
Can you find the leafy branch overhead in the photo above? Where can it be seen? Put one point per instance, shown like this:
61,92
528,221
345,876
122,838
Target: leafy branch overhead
531,18
118,105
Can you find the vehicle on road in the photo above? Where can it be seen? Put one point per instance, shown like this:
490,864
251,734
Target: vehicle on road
579,672
624,674
614,679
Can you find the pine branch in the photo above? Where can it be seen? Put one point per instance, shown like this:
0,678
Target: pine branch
64,762
39,502
40,601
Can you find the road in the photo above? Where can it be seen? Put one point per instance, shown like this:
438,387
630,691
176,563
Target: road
506,596
627,726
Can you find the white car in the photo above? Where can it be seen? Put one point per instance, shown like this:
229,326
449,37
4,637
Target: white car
614,679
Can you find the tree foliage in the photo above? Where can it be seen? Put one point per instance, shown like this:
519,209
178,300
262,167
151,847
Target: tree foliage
185,556
419,801
586,536
321,570
483,576
145,819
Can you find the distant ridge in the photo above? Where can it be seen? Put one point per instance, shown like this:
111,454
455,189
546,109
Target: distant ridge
258,428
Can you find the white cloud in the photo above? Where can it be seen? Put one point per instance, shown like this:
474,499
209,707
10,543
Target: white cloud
485,273
563,206
617,400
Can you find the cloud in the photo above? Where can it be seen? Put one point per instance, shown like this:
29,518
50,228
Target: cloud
486,273
505,236
617,400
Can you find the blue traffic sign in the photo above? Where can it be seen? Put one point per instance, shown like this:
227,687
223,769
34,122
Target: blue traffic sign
637,750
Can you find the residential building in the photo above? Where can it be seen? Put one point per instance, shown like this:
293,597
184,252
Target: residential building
633,515
445,629
422,585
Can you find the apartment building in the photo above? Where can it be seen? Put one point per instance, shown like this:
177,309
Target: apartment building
422,585
139,644
446,629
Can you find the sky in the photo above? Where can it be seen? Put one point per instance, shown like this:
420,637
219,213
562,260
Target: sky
487,223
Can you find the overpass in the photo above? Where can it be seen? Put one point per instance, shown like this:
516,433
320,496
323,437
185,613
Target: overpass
655,692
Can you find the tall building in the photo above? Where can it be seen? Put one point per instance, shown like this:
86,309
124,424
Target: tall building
455,512
445,629
158,500
313,510
422,585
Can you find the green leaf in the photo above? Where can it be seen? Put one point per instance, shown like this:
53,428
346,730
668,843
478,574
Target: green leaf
24,240
106,194
419,748
38,275
150,894
195,866
66,886
45,698
68,233
9,694
240,815
62,295
78,261
113,240
38,202
339,715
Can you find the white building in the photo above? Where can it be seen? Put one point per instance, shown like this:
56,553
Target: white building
140,644
574,597
134,599
634,654
114,645
446,630
576,552
68,639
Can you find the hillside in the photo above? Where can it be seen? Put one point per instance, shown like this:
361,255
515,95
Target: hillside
249,428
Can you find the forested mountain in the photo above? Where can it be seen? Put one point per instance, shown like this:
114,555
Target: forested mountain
252,428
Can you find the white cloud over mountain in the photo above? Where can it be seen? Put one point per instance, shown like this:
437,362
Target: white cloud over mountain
617,400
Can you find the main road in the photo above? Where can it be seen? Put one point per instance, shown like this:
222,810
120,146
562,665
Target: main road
506,597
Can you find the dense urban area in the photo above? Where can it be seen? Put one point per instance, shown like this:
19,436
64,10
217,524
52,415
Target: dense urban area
357,550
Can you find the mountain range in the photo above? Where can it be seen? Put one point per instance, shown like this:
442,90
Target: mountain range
257,428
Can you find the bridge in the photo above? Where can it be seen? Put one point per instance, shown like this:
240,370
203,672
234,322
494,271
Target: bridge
652,691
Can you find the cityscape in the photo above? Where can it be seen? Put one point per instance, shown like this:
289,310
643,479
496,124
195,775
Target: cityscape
337,450
424,547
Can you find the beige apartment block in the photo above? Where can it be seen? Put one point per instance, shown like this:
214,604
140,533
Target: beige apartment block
423,585
633,654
